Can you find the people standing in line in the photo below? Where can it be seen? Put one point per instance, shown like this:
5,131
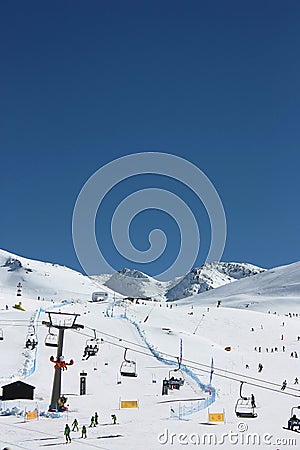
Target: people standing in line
67,433
75,425
83,432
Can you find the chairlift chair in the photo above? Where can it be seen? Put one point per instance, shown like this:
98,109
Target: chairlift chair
243,407
294,422
51,339
91,346
128,368
176,377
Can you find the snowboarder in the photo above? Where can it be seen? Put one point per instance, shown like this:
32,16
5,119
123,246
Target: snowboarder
96,419
284,384
92,424
83,432
114,418
75,425
253,401
67,433
296,381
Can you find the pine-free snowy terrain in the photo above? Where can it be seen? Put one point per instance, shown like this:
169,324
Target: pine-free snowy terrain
134,283
152,332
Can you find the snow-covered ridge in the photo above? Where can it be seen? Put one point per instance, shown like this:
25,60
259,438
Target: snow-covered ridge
133,283
211,276
44,280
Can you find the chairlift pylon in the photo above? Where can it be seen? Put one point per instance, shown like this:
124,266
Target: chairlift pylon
128,368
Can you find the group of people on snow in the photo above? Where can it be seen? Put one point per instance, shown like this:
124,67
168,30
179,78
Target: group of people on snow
93,423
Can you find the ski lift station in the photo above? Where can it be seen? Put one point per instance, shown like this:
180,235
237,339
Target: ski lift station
99,296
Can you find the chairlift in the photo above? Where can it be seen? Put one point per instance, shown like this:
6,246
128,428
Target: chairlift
51,339
176,378
293,422
128,368
1,334
91,347
31,329
244,407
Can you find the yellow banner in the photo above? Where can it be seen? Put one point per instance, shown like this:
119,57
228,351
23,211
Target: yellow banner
216,417
129,404
30,415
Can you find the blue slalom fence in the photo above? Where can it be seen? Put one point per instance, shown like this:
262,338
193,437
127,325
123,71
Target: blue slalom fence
185,410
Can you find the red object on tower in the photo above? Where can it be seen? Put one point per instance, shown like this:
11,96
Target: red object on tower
19,289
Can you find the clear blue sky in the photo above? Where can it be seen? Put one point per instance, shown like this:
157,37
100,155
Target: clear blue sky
217,83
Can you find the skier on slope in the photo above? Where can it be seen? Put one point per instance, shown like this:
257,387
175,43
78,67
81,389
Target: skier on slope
67,433
75,425
92,424
83,432
284,385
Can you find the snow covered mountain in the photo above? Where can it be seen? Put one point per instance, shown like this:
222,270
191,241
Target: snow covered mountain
210,276
270,290
134,283
236,339
44,280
